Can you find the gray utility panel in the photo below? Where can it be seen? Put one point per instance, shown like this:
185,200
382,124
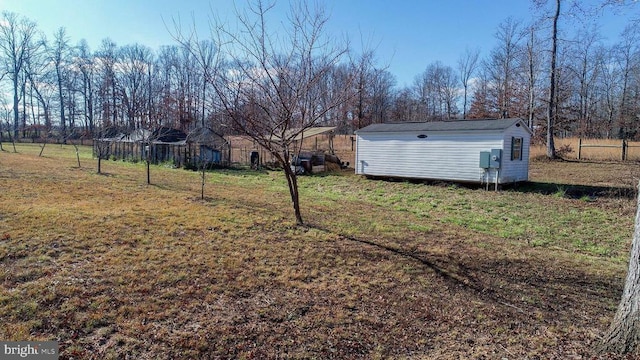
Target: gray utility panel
496,158
490,159
485,158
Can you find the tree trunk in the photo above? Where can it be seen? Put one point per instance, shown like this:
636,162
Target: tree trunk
203,182
24,109
532,80
464,105
551,149
16,110
77,154
63,121
624,333
90,109
292,181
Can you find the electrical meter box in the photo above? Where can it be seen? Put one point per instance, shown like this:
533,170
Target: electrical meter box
485,159
496,158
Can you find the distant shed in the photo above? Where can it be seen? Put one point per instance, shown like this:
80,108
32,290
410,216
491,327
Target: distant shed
215,149
479,151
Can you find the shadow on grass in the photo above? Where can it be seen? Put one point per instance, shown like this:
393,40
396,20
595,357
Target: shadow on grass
574,191
524,285
571,191
450,271
233,170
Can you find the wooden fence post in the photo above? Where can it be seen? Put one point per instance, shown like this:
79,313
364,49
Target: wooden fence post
624,150
579,148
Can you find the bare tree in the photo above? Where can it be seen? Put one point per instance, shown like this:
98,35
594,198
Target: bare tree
59,54
531,62
483,104
39,77
553,75
17,43
371,88
102,144
38,74
607,87
405,106
551,149
467,65
425,92
437,92
133,73
362,70
205,52
623,5
270,86
584,68
167,64
448,92
424,95
106,58
381,95
86,65
627,58
502,66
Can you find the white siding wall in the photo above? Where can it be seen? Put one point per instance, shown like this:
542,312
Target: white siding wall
441,156
516,170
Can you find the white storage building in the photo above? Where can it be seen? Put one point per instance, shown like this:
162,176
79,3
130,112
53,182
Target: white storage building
480,151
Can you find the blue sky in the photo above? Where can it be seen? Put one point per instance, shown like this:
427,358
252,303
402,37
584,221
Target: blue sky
406,34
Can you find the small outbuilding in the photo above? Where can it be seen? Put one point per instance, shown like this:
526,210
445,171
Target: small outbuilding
215,149
478,151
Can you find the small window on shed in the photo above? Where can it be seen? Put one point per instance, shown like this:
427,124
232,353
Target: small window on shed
516,148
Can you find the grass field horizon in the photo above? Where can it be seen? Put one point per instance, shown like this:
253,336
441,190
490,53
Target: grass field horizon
114,268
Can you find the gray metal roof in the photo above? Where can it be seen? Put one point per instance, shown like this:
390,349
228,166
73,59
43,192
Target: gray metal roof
312,131
454,125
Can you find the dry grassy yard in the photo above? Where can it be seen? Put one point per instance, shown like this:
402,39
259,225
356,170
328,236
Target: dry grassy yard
113,268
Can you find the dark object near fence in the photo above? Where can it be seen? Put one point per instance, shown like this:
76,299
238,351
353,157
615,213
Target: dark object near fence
334,159
255,160
308,162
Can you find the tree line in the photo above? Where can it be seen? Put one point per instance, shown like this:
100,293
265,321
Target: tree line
54,87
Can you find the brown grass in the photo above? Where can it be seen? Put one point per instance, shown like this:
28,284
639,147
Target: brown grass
113,268
592,149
